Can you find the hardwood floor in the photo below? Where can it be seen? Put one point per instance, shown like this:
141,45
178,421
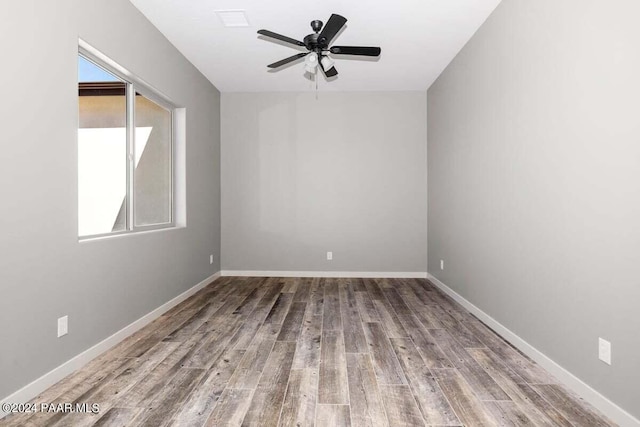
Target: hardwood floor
304,352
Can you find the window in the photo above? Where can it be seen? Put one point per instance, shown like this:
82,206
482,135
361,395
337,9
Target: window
125,152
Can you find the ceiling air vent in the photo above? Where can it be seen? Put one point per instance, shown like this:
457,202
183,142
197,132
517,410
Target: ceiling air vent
233,18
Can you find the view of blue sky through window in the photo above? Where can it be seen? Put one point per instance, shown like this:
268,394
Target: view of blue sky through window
90,72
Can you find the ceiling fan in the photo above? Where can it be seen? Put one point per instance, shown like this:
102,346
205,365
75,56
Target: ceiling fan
318,46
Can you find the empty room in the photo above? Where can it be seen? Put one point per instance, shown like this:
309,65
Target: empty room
284,213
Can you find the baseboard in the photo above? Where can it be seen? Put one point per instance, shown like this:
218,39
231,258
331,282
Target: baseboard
36,387
584,390
344,274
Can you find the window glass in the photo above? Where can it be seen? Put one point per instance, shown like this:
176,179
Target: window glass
102,150
152,181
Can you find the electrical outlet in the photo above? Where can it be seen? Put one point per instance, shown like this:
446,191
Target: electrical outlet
604,351
329,256
210,259
441,264
63,326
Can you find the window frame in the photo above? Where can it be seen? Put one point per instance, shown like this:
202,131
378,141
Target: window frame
133,85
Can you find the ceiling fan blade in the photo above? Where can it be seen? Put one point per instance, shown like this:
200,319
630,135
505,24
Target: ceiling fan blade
280,37
330,72
356,50
332,27
287,60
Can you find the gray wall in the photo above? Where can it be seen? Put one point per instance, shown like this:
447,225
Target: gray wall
45,272
343,173
534,181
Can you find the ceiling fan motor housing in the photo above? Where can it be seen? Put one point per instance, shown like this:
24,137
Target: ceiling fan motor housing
315,43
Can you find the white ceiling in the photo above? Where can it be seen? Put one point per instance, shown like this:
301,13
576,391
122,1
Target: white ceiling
418,39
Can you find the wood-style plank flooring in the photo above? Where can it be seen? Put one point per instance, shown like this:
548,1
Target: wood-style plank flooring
324,352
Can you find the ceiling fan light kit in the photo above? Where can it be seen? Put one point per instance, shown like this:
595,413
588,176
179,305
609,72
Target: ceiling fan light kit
327,63
318,45
311,63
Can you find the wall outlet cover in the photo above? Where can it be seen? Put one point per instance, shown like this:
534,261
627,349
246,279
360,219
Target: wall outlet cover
604,351
329,256
63,326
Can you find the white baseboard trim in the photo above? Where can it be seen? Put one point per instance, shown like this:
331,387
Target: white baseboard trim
344,274
39,385
606,406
